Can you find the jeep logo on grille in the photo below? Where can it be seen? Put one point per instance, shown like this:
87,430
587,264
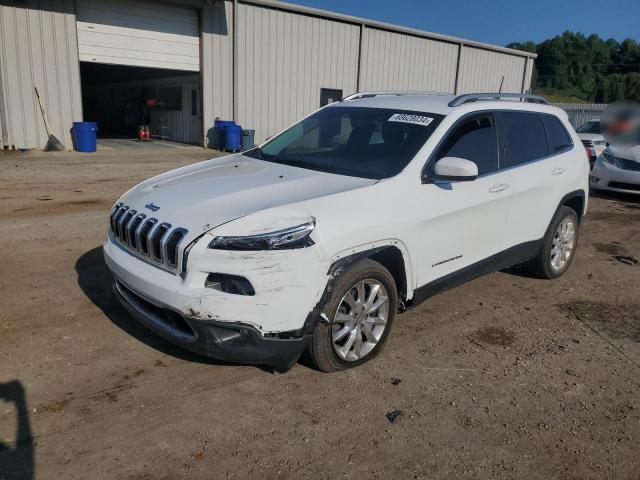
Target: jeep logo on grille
152,207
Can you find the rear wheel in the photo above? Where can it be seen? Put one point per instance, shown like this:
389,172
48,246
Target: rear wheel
361,311
558,246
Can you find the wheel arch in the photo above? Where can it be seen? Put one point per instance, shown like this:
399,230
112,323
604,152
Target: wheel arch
392,254
575,200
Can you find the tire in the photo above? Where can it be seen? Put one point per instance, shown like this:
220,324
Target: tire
546,266
356,321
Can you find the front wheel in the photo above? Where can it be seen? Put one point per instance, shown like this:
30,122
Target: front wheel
361,311
558,246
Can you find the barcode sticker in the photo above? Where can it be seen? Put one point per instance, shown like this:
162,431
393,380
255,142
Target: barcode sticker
415,119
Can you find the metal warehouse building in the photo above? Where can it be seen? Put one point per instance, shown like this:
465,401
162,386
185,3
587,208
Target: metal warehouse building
179,65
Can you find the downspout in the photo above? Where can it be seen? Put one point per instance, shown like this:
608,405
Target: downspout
359,71
456,87
234,60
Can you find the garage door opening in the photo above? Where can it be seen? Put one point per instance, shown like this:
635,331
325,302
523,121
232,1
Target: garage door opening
120,98
139,64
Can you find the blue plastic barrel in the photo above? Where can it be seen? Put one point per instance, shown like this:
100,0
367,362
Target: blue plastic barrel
232,138
84,136
218,128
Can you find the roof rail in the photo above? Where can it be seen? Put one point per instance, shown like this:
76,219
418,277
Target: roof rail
473,97
396,93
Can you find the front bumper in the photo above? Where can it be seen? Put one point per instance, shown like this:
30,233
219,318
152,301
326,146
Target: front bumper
605,176
229,342
266,328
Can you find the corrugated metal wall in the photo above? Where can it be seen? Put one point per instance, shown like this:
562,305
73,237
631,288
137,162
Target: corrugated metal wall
482,70
285,55
284,59
38,47
392,60
217,64
580,113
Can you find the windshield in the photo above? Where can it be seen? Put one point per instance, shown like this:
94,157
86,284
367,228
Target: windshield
590,127
361,142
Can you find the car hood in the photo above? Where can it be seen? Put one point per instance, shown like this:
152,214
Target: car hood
628,153
594,137
202,196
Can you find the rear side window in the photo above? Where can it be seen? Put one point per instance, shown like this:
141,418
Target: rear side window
474,139
523,137
557,136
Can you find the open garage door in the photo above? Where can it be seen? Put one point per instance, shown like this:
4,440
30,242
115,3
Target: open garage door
140,34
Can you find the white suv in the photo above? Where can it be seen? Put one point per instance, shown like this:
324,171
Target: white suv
365,208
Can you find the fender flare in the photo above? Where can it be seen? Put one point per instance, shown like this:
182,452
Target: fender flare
344,260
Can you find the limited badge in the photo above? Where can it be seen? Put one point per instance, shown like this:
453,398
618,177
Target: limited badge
406,118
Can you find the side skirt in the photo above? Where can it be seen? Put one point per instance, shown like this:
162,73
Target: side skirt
505,259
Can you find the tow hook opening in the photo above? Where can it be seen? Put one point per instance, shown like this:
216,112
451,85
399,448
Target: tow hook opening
233,284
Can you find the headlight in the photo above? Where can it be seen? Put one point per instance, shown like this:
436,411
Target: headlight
293,237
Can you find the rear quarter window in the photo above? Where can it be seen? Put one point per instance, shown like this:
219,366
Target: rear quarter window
558,138
523,137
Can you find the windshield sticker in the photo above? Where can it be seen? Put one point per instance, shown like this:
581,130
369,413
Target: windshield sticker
416,119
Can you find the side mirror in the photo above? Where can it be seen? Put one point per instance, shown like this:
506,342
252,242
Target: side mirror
455,169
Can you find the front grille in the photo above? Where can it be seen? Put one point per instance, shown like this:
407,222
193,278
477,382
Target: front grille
625,186
155,242
587,143
625,164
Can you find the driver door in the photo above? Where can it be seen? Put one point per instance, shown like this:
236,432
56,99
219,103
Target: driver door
464,222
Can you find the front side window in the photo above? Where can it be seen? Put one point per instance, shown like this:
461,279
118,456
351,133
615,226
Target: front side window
523,137
356,141
590,127
474,139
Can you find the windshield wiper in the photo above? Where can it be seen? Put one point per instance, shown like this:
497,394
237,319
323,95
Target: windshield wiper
255,152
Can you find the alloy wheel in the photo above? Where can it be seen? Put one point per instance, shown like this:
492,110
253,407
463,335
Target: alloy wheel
361,319
563,244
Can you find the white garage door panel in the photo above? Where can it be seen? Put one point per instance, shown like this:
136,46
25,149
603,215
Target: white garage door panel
138,34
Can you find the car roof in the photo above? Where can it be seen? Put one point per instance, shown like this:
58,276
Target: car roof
432,103
439,103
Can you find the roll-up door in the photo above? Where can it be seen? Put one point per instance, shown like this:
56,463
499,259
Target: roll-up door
141,34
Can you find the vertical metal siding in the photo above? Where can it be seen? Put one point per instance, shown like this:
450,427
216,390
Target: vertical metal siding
216,64
38,47
405,62
482,70
284,59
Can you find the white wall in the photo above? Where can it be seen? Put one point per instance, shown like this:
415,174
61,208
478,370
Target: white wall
284,59
393,60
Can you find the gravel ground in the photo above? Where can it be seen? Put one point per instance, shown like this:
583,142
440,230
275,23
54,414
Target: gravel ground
503,377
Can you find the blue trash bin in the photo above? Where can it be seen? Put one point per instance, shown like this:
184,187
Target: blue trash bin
84,136
233,138
218,128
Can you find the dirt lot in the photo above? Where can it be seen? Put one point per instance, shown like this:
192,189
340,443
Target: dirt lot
504,377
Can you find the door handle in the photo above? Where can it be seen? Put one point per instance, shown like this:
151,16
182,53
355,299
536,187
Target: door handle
499,187
557,171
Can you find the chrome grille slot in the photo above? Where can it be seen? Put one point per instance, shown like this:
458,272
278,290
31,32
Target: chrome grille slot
124,220
157,241
143,239
132,230
112,218
116,219
171,246
153,241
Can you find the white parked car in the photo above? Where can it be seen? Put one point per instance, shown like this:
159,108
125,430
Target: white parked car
317,238
591,137
617,170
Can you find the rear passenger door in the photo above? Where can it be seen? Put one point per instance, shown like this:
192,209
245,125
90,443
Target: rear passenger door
531,149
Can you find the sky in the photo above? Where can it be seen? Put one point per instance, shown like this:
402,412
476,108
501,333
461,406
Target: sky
498,22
